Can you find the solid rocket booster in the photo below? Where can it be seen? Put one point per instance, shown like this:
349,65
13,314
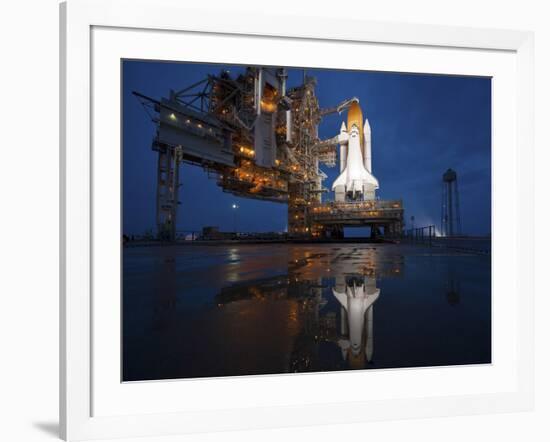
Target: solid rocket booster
367,146
343,147
356,178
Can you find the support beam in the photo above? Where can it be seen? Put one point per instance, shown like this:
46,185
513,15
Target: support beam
167,193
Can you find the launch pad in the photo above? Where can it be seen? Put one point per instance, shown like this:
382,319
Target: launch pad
332,217
259,139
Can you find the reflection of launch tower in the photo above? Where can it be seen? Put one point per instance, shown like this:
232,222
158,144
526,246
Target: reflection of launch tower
450,208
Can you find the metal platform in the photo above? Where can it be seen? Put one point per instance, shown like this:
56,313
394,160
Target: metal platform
334,216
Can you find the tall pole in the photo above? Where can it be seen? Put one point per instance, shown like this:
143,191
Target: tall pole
235,207
450,208
167,193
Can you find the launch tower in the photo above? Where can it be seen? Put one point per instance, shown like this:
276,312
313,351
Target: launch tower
259,139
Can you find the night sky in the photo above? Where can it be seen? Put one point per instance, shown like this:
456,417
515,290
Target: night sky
421,125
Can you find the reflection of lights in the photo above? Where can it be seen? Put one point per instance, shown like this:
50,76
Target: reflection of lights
234,253
293,313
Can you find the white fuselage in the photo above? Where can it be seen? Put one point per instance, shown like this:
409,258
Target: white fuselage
356,179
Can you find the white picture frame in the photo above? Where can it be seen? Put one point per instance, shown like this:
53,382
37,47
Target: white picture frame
78,377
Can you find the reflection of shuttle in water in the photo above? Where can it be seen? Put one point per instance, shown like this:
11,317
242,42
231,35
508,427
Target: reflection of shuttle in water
356,180
357,296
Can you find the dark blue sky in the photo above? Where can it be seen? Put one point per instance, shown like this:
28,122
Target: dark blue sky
421,125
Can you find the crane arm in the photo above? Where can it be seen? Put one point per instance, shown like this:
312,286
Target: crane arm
339,108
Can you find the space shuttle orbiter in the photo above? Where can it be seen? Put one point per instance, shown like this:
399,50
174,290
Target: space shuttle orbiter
356,180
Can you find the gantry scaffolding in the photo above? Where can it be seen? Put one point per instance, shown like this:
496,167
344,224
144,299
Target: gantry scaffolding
258,139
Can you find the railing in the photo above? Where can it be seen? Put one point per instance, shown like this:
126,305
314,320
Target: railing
420,235
232,236
360,205
188,235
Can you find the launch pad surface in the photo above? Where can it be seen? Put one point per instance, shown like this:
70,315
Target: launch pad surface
245,309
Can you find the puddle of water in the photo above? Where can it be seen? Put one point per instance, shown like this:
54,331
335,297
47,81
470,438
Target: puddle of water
203,311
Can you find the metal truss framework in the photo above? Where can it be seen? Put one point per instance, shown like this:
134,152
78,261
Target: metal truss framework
259,140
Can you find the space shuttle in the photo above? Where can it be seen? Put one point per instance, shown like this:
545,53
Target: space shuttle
357,301
356,180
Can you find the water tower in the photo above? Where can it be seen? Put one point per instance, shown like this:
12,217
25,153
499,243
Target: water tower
450,207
